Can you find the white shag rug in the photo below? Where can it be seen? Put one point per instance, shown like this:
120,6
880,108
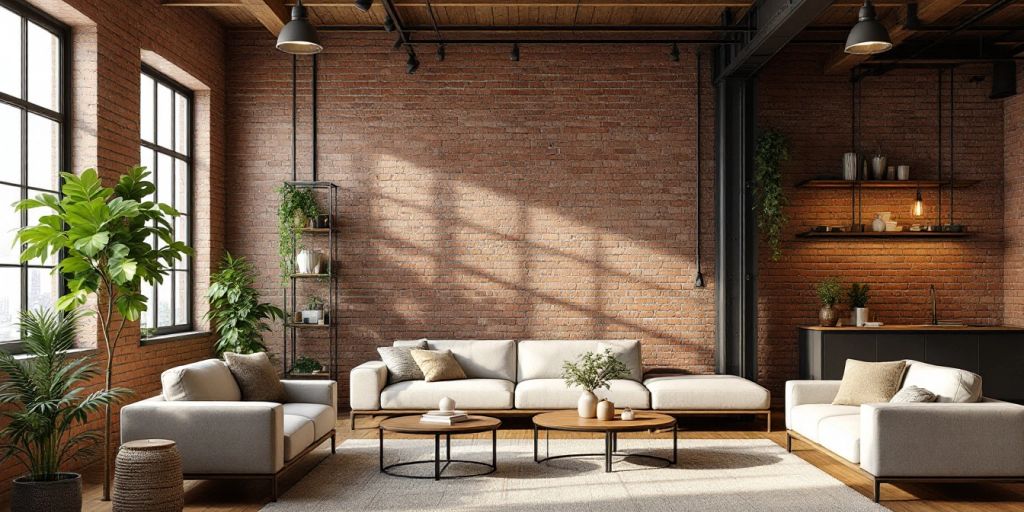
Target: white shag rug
712,475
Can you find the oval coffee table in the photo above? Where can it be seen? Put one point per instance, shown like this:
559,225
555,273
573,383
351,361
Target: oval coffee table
413,425
570,421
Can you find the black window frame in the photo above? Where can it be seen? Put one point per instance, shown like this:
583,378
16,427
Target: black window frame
62,116
159,79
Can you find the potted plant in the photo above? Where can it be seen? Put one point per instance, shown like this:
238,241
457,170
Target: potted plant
858,296
307,366
46,406
829,292
314,312
107,240
235,308
592,371
298,206
772,149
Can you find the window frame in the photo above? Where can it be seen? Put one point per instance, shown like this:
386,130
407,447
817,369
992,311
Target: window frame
160,78
61,116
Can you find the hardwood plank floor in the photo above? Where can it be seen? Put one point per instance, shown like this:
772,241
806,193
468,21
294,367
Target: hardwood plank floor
241,496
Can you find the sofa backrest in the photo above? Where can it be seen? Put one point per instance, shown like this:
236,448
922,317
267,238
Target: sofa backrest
480,359
948,384
200,381
543,359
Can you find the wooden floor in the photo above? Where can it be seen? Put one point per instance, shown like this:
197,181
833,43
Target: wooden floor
239,496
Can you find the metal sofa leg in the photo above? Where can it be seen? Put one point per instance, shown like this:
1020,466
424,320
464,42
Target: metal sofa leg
877,494
352,420
789,442
273,488
769,416
334,443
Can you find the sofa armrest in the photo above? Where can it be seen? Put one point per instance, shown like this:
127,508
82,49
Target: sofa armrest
212,437
324,392
366,381
803,392
981,439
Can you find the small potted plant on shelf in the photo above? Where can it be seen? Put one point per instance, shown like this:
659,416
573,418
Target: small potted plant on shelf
314,312
829,292
296,211
307,366
591,371
858,296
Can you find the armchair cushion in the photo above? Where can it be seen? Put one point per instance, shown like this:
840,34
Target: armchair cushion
323,392
322,416
299,433
200,381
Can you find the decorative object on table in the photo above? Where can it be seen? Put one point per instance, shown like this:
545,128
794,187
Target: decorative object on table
892,225
446,404
298,205
859,296
890,172
148,477
878,225
873,324
628,414
256,377
307,262
605,410
307,366
770,200
593,370
903,173
98,230
444,417
915,227
313,314
438,365
878,166
850,166
829,292
322,221
235,308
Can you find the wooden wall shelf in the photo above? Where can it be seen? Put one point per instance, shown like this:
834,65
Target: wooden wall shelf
912,184
882,235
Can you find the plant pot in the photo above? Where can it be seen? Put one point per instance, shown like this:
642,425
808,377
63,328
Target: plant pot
861,316
828,316
307,261
299,220
63,495
605,410
586,406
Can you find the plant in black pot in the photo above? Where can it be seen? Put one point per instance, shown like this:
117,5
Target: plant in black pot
45,403
829,291
859,297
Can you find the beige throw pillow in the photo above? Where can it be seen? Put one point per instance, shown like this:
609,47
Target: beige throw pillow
869,383
256,377
437,365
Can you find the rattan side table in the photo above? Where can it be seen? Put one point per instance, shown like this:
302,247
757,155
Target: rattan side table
148,477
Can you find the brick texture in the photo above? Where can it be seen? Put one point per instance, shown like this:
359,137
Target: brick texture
1013,197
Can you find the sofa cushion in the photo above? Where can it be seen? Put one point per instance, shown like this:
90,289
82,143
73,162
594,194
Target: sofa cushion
948,384
868,383
322,416
467,393
841,436
200,381
480,359
256,377
805,419
437,365
401,365
554,394
543,359
298,435
706,393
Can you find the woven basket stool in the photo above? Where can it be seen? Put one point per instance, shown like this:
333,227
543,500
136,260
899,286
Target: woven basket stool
147,477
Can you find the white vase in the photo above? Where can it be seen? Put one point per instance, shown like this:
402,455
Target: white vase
307,261
447,404
860,316
587,405
605,410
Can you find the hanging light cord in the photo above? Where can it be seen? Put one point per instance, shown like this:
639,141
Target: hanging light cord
699,278
433,21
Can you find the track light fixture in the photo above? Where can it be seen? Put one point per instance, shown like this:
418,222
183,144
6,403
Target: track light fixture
412,63
389,24
440,52
674,55
364,5
1004,79
868,36
398,43
299,37
514,54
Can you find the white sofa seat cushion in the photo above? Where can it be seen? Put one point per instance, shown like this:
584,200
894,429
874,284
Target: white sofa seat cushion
543,359
208,380
806,419
480,359
948,384
321,415
298,435
706,392
554,394
467,393
841,436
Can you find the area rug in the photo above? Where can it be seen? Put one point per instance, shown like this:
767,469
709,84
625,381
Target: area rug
712,475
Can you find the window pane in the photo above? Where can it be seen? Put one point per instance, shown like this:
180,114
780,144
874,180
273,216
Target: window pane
181,235
181,114
43,152
181,298
43,67
33,219
146,108
10,303
181,186
165,178
163,307
146,320
10,142
9,224
10,58
164,116
43,288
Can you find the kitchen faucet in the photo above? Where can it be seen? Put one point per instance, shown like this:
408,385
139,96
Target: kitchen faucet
932,297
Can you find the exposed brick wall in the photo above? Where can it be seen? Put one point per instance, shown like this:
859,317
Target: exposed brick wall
481,198
899,116
1013,194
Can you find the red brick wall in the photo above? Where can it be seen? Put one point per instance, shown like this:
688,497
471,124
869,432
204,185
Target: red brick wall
899,116
1013,196
481,198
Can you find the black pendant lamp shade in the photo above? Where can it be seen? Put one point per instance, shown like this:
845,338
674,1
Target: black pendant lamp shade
299,37
364,5
868,36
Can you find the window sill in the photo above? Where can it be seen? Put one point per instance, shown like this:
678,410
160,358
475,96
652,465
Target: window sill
85,351
178,336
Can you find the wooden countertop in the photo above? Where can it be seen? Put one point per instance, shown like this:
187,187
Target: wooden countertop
929,328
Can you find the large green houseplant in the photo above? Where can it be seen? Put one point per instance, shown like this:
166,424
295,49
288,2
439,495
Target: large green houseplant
105,237
45,403
235,309
772,149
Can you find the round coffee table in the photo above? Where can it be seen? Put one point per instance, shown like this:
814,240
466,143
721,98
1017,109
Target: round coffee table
570,421
413,425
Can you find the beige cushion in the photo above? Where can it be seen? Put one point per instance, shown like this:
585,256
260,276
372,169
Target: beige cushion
256,376
203,380
948,384
543,359
706,393
841,436
298,435
480,359
868,383
438,365
805,419
467,393
322,416
554,394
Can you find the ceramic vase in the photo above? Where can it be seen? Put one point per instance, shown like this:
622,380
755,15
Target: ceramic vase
828,316
860,316
307,261
878,167
605,410
446,405
850,166
628,414
587,405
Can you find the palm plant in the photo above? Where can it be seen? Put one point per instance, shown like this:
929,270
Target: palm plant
47,397
235,308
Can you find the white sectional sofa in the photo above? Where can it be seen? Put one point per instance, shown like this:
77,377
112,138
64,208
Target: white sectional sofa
505,377
960,437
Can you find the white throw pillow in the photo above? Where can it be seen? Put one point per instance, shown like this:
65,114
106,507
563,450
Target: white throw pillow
948,384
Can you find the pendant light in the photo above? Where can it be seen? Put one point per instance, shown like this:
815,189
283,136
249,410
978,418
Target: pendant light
918,209
868,36
299,37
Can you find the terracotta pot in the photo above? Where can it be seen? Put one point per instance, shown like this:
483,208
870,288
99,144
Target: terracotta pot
62,495
605,410
586,406
828,316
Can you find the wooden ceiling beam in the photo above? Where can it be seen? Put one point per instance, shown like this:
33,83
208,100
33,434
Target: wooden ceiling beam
551,3
272,14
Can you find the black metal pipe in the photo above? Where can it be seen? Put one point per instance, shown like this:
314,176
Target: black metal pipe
295,117
569,41
316,69
543,28
938,190
978,16
952,139
699,278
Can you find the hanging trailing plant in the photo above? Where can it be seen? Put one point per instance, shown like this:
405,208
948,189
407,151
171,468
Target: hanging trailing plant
772,149
298,205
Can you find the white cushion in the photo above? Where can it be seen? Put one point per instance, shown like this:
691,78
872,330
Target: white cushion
706,393
467,393
805,419
841,435
200,381
322,416
298,435
554,394
480,359
948,384
543,359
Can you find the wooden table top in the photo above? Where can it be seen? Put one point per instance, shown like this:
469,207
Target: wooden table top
570,420
149,444
413,425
